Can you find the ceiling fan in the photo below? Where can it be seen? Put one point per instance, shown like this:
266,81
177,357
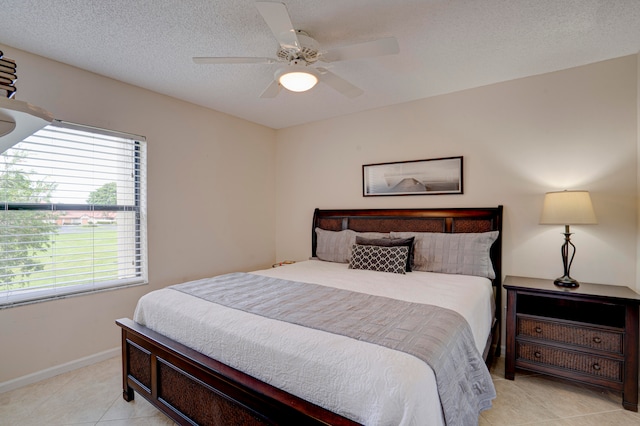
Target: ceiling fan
298,50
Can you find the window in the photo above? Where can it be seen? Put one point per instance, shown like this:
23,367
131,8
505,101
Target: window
73,213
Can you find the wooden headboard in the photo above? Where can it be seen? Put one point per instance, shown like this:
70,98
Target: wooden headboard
452,220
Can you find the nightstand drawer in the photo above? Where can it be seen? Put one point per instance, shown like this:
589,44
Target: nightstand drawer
586,337
584,363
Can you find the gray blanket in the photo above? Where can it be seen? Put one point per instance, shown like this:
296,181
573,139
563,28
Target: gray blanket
438,336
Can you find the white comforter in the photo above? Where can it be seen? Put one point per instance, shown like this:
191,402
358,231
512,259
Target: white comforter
365,382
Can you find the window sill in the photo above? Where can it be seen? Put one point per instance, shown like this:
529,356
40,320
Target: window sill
28,297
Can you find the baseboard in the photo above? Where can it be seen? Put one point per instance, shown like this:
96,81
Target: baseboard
58,369
73,365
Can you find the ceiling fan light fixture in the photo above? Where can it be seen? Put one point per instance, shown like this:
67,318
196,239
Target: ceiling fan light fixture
297,79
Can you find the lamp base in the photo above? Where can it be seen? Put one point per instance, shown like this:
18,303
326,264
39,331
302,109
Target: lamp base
566,281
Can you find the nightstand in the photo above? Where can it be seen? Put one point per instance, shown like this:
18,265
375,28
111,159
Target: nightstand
587,334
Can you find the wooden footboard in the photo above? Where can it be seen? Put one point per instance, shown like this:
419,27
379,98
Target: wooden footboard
194,389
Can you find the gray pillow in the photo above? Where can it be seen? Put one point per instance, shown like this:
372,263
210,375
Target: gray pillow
379,258
390,242
335,246
464,253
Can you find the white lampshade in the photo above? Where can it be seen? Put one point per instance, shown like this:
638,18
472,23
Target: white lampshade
297,79
568,208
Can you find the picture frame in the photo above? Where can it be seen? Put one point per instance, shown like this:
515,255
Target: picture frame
434,176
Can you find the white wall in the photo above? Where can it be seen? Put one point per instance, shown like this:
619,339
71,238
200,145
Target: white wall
638,175
570,129
573,129
208,176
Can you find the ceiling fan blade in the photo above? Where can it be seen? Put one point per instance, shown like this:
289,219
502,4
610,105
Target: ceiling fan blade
232,60
380,47
272,90
277,18
339,83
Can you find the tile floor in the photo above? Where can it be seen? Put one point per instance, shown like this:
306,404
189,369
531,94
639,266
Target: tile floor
92,396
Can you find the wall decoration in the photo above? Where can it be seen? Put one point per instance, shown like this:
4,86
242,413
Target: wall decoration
421,177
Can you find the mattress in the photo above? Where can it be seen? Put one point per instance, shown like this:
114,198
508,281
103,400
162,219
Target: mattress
365,382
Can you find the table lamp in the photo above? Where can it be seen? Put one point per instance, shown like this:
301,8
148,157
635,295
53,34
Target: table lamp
567,208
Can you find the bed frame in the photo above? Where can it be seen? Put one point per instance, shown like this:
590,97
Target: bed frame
194,389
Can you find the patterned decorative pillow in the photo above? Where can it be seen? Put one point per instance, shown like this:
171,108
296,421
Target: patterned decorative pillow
335,246
464,253
378,258
390,242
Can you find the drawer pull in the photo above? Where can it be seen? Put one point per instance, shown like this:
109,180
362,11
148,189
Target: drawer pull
597,340
596,366
537,354
538,330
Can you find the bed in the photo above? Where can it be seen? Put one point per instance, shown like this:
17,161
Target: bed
195,382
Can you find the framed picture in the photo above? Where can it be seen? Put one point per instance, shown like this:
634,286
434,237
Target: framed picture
421,177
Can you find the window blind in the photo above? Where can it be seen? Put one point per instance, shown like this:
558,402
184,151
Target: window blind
73,216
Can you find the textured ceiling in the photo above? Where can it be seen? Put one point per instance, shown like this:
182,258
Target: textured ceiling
445,46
